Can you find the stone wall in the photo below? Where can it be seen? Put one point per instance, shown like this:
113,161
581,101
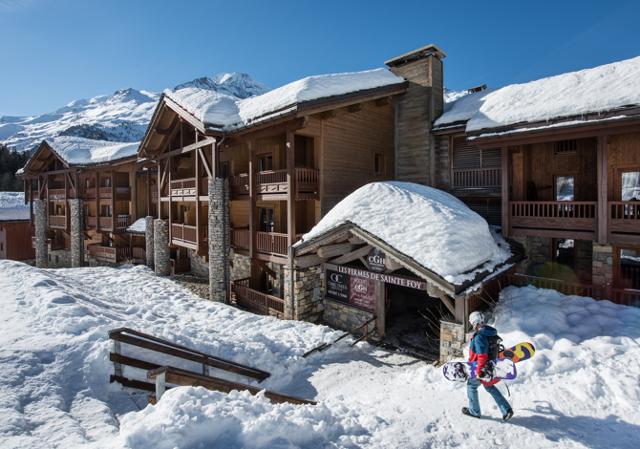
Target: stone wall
60,258
452,340
602,268
308,287
161,251
240,266
40,212
342,316
538,252
76,232
199,265
148,240
219,239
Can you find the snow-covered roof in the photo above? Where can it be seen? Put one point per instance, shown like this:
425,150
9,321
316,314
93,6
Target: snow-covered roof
12,206
82,151
138,227
605,88
430,226
224,111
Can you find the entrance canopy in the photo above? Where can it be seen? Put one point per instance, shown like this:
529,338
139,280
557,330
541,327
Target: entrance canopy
417,228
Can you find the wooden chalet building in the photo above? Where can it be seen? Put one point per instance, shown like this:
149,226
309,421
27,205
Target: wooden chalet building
81,209
15,231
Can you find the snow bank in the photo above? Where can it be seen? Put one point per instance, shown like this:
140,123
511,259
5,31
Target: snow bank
594,90
81,151
12,206
226,111
434,228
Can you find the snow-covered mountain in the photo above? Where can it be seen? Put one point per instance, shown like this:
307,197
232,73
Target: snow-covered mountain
120,117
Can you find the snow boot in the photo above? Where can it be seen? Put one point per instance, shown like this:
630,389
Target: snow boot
507,416
466,411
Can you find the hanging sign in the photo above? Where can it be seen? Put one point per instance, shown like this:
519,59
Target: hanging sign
376,260
337,285
362,292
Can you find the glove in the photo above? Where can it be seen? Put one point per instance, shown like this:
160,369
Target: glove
486,373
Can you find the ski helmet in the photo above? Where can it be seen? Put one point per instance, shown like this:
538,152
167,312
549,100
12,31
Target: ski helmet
476,318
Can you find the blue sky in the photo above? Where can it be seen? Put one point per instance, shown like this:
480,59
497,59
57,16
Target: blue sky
55,51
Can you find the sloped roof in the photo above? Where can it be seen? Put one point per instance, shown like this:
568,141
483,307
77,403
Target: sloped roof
433,228
606,88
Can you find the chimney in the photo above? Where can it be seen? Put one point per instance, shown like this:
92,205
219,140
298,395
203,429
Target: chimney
416,110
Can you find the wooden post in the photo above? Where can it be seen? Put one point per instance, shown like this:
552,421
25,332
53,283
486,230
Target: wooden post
97,188
252,201
291,197
113,201
133,194
603,185
380,308
197,170
169,184
159,182
505,190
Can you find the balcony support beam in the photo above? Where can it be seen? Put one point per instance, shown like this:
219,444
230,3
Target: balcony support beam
291,197
603,194
505,190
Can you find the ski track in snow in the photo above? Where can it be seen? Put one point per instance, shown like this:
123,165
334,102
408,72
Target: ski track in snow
579,391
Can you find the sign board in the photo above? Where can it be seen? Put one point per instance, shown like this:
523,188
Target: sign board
362,292
337,285
417,284
376,260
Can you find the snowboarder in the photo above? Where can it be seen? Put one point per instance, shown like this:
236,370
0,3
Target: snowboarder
484,348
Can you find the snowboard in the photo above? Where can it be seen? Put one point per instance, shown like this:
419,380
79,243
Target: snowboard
518,353
461,371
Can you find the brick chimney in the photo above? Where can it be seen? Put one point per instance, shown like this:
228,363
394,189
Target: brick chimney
416,110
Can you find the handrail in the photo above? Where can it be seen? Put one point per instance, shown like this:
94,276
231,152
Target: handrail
476,177
150,342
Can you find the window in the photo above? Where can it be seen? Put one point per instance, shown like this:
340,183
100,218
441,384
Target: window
378,164
631,186
265,162
565,147
629,269
565,188
266,219
105,210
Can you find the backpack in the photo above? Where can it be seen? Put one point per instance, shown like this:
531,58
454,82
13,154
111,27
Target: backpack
495,346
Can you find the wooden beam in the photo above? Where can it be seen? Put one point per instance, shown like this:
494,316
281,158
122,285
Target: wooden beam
205,163
354,108
309,260
159,203
338,249
603,185
197,170
253,213
391,264
382,101
194,146
353,255
381,308
505,190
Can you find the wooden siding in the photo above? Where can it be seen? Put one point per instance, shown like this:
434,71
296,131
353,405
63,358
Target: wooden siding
15,240
350,141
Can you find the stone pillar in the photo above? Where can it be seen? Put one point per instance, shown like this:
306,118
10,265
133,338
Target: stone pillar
148,240
602,269
40,213
308,286
452,340
161,253
219,240
77,232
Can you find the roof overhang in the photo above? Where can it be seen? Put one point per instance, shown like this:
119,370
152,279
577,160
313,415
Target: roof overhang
44,152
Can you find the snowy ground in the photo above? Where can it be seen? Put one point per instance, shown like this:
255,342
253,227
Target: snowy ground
580,390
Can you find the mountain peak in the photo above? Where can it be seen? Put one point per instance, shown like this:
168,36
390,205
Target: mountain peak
237,84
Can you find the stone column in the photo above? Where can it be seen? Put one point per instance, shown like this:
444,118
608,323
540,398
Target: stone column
77,232
452,340
602,269
148,240
40,213
161,253
219,240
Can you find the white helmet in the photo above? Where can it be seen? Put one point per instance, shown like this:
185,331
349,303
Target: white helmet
476,318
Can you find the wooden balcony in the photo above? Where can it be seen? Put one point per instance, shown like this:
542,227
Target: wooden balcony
240,238
480,178
273,183
58,221
106,193
89,193
255,300
184,187
273,243
239,184
568,219
90,222
106,223
185,234
624,222
109,254
60,194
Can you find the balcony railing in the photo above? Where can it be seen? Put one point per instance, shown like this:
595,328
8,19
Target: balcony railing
255,300
477,178
109,254
184,233
89,193
57,194
240,238
273,243
58,221
274,182
626,296
184,187
122,221
625,216
558,215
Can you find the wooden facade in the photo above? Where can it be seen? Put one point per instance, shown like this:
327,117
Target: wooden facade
15,240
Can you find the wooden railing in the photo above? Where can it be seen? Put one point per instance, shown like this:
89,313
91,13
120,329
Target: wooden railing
105,222
625,216
184,233
626,296
123,221
105,192
239,184
566,215
58,221
255,300
57,194
272,243
477,178
89,193
109,254
272,177
184,187
275,181
567,288
307,180
240,238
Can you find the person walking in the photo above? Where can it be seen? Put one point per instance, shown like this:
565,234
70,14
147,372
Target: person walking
483,349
